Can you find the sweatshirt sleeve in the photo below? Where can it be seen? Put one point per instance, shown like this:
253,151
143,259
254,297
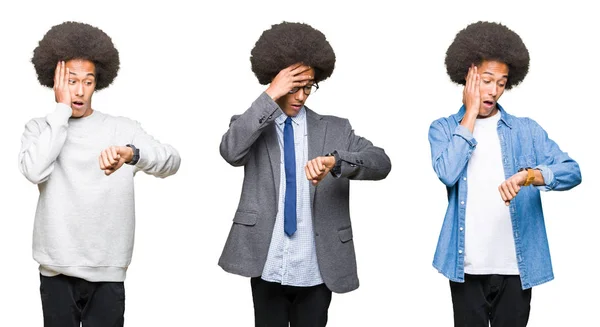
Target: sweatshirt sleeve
42,142
157,159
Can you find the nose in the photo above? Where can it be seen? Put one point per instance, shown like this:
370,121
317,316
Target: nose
79,89
300,96
493,91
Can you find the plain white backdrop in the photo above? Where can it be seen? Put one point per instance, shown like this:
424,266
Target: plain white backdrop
185,70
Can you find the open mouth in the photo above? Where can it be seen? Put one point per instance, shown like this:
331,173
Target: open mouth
488,103
77,104
296,106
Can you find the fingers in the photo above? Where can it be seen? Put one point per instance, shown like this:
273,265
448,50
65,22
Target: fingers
508,190
57,76
115,153
110,160
476,81
313,170
299,69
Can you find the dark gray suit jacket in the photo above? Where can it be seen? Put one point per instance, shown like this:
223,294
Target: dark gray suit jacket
251,141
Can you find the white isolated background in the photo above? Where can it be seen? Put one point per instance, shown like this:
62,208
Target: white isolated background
185,70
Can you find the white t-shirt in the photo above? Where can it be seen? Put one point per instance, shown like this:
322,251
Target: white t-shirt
489,241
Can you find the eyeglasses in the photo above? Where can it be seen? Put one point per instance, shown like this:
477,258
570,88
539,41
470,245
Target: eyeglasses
308,89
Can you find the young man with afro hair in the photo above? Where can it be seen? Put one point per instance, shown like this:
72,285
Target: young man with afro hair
493,245
291,232
83,162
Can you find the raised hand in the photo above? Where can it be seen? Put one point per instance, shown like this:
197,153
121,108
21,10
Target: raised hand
112,158
297,75
471,95
62,94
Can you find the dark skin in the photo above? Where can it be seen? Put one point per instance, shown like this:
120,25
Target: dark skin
298,75
74,85
484,85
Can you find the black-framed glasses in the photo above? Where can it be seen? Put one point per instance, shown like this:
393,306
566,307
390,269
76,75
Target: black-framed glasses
308,89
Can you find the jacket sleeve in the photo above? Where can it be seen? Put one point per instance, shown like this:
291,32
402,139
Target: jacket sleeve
450,150
42,142
246,128
361,160
560,172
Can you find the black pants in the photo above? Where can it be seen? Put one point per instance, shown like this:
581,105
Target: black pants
495,299
276,305
69,301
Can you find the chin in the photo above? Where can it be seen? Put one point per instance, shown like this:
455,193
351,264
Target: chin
77,113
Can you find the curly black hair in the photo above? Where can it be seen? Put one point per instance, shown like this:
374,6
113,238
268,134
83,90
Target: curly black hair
288,43
73,40
485,41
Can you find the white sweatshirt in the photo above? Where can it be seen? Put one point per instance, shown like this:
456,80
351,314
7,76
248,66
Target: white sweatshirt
85,220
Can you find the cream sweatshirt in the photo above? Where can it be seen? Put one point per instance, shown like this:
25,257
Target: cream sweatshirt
85,220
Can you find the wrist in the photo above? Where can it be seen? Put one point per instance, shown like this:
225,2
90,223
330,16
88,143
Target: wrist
527,175
272,93
132,155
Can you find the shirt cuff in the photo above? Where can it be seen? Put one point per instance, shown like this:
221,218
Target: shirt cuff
549,179
466,134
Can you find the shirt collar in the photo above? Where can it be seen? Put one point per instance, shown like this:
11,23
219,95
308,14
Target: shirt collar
505,117
296,119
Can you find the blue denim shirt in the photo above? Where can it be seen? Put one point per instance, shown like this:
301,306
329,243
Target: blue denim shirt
524,144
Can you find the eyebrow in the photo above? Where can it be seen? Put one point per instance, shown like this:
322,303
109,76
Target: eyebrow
88,74
503,76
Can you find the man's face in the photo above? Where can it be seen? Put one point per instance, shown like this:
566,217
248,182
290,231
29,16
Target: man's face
82,82
494,76
291,103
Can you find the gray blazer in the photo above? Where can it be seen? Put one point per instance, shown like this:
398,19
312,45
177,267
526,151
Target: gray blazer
251,141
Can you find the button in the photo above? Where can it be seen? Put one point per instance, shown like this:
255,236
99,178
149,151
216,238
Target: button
459,251
464,178
316,234
357,161
462,202
461,229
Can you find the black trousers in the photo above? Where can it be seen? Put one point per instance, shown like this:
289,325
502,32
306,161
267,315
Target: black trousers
495,299
68,301
276,305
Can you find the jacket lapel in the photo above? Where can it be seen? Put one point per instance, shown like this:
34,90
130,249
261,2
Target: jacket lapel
274,156
317,129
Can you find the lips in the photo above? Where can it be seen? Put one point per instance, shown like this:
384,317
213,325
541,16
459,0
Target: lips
296,106
77,104
489,103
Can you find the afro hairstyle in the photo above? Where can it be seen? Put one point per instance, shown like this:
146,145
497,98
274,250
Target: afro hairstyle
485,41
287,43
73,40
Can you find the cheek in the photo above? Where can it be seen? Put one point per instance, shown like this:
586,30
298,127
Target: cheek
283,101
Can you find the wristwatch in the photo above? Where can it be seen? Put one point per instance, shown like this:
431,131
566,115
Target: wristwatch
530,176
336,170
136,154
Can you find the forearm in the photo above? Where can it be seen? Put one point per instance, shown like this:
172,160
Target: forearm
559,177
42,143
371,163
160,160
450,156
245,129
155,158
